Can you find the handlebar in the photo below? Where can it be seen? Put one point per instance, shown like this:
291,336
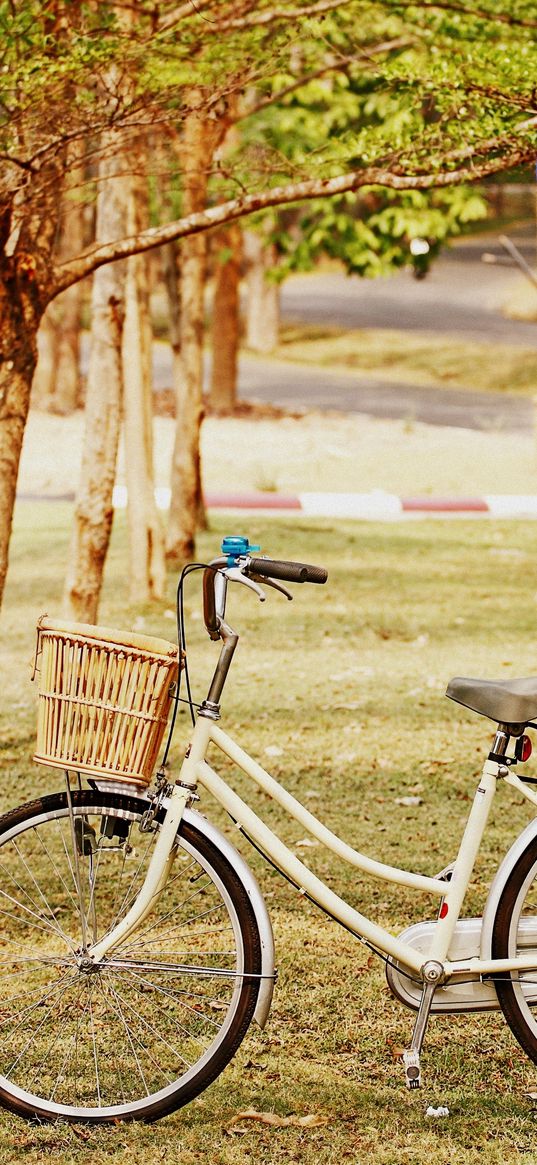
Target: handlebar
210,615
298,572
269,568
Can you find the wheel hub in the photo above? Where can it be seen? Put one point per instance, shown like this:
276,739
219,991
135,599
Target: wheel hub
87,966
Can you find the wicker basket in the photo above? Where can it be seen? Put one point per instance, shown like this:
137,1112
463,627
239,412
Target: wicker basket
104,699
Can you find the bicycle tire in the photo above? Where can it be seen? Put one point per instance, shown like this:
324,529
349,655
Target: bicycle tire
515,930
134,1040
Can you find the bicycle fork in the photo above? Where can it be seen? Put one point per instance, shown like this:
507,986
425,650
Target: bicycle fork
155,879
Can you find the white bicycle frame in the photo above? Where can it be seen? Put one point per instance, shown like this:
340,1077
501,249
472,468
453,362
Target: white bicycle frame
196,772
423,951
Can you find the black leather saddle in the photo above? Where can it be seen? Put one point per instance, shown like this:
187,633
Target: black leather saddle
512,702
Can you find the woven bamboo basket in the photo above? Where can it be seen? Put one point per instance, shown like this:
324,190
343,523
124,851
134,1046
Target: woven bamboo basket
104,699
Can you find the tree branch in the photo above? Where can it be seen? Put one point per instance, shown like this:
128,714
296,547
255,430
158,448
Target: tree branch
275,15
70,272
21,163
253,20
451,6
191,8
339,65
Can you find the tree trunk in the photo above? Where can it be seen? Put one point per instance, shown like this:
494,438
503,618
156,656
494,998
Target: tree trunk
44,380
172,281
56,384
186,505
94,509
263,300
67,391
186,494
226,322
20,311
146,537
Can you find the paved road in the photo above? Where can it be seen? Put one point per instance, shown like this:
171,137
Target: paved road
461,296
292,385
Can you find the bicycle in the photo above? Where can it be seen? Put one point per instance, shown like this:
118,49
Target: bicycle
137,947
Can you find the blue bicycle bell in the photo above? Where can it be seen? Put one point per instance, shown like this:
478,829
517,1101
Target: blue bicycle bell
236,546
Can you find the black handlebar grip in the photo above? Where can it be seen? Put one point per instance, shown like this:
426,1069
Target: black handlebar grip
296,572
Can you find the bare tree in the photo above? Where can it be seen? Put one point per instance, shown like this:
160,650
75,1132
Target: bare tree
104,401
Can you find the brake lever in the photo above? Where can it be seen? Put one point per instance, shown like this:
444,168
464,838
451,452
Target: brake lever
236,575
269,582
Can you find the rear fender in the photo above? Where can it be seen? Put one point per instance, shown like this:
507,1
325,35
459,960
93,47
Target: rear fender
504,870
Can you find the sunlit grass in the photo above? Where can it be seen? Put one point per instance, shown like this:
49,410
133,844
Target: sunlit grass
403,357
347,681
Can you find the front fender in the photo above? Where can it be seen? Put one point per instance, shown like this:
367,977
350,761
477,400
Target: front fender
504,870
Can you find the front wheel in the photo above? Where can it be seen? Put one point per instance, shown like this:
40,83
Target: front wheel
515,933
145,1031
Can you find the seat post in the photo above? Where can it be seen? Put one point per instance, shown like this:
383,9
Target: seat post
501,740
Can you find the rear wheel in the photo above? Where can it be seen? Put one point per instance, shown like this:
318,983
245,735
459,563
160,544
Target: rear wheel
515,932
150,1027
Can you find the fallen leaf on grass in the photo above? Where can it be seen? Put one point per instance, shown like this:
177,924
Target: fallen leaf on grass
82,1133
396,1050
311,1121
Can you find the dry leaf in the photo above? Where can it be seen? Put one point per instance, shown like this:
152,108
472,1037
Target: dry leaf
311,1121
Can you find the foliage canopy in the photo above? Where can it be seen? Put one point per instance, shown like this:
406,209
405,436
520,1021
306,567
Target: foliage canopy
324,88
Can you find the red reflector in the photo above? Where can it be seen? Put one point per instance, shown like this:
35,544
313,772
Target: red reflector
443,910
524,748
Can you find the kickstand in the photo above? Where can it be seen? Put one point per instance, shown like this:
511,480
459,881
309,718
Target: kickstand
411,1056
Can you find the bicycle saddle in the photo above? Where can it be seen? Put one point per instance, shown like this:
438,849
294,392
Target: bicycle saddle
506,701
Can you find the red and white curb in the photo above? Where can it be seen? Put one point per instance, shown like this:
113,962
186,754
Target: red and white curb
376,506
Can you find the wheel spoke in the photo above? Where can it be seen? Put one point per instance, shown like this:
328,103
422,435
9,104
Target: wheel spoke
54,923
128,1037
122,904
143,1048
94,1046
179,995
141,937
149,1027
23,1022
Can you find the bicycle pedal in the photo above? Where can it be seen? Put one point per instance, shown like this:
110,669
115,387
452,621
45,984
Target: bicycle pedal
411,1060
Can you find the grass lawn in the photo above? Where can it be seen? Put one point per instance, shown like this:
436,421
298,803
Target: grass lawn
441,361
346,683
